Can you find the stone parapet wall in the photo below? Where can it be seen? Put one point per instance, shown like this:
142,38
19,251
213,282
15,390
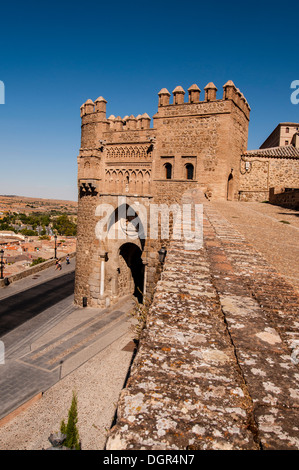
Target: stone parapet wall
288,199
34,269
191,109
216,366
251,196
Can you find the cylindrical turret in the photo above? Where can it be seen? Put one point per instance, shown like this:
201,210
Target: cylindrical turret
229,90
238,98
164,96
89,106
100,105
194,93
87,124
111,120
138,118
210,92
145,121
118,124
178,95
132,122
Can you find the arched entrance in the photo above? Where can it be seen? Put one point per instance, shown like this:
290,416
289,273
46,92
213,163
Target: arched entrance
128,224
131,271
230,187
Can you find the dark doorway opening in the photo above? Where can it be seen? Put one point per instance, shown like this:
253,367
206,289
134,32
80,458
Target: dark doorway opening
131,253
230,187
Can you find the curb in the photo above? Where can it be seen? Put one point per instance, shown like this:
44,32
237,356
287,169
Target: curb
13,414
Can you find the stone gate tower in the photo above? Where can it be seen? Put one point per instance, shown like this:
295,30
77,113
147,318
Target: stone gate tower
125,161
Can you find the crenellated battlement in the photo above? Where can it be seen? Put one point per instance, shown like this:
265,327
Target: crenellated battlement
95,111
230,92
128,123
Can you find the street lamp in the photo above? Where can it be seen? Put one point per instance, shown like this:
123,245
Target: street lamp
55,249
162,253
2,263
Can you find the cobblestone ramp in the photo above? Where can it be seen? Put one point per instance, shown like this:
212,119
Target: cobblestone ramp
216,367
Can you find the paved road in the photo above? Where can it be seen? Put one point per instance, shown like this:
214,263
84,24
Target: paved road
23,306
46,336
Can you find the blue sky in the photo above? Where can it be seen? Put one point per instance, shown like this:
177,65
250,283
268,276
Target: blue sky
56,55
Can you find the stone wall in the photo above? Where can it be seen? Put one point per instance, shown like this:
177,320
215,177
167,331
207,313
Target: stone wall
208,135
87,247
265,173
286,198
253,196
216,365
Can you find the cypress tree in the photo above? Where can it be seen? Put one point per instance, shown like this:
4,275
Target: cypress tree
70,429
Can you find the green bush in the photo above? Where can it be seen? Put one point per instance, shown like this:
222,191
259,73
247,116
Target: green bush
37,261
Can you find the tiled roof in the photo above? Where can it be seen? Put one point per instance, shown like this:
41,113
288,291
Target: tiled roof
287,151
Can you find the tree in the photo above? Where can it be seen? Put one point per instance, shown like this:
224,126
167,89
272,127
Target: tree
70,429
65,226
28,232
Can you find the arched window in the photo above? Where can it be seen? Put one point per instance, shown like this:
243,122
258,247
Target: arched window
189,171
168,167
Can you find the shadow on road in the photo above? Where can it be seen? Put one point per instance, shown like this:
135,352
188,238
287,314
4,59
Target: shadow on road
296,214
19,308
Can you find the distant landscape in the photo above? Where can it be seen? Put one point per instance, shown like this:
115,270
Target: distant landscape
34,230
37,217
28,204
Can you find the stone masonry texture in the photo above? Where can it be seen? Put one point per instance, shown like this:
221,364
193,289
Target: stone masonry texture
197,141
217,363
193,144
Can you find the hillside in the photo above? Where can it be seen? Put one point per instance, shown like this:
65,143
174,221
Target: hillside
28,204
